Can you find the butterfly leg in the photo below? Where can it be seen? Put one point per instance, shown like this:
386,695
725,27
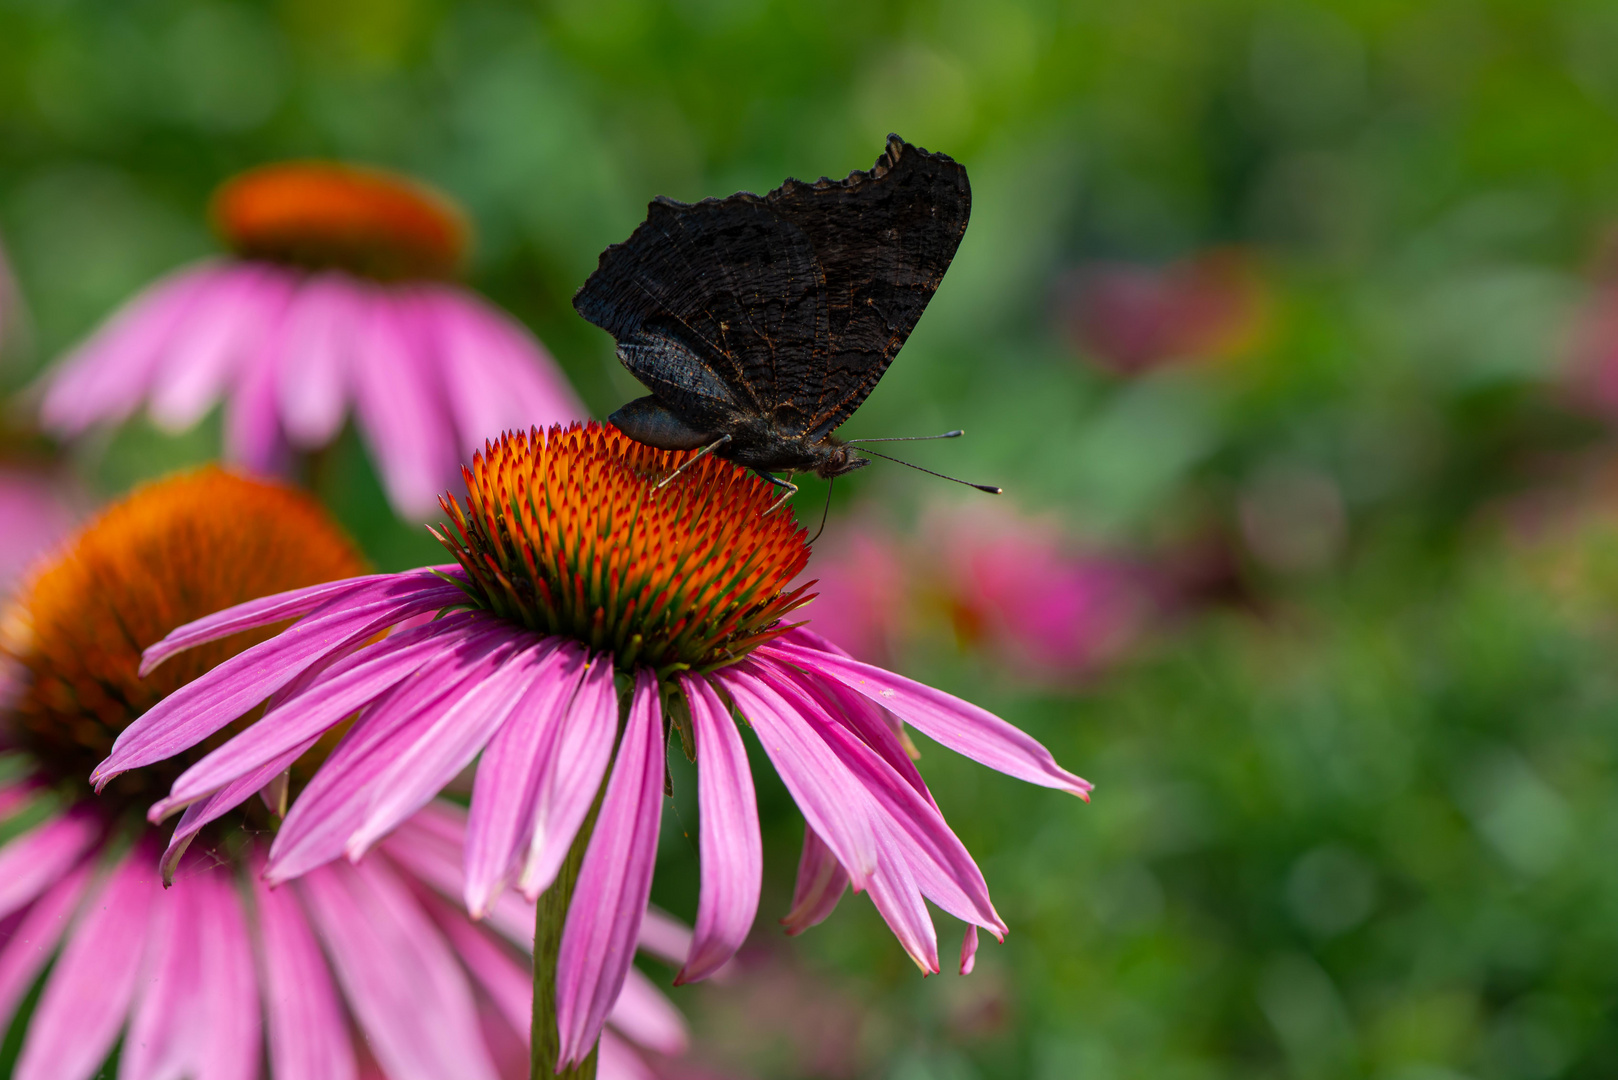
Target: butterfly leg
698,456
791,488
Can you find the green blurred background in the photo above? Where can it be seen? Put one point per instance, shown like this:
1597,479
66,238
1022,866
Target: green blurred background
1356,808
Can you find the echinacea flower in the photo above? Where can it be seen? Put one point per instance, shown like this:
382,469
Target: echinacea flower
204,979
339,296
595,604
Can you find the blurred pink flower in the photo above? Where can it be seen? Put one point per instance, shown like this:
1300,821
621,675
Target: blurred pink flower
337,299
1017,587
1131,318
689,608
35,513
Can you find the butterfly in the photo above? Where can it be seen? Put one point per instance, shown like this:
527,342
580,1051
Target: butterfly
760,323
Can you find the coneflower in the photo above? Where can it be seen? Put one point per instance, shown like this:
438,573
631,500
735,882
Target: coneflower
339,294
594,606
203,978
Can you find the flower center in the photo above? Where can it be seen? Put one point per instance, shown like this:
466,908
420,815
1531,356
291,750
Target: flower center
323,215
568,532
170,553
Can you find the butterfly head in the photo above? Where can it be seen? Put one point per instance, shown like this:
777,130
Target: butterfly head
837,459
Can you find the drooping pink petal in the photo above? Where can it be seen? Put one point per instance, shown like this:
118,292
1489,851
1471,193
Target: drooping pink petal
959,725
313,384
920,837
820,884
603,920
571,775
308,1034
163,1027
33,943
893,890
646,1017
400,978
328,811
422,768
872,725
397,391
37,859
818,782
216,338
347,687
106,378
226,692
88,992
508,982
732,850
969,949
498,829
254,438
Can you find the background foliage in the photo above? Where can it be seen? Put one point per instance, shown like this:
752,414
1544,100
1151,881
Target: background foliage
1355,812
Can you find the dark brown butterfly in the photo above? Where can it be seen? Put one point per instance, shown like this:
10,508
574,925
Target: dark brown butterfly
759,324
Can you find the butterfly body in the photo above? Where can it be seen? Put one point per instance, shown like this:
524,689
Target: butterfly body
760,323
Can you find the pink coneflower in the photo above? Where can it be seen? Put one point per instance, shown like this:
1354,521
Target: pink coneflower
1131,318
591,610
204,979
338,296
863,576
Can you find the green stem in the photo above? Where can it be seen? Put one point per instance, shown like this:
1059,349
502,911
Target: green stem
548,923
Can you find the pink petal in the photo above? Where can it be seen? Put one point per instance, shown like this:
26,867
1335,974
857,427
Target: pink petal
253,435
957,724
646,1017
106,378
508,981
400,978
818,782
422,768
328,811
88,992
212,807
308,1033
398,397
325,317
571,775
821,881
969,949
893,890
732,851
598,939
226,692
229,1013
37,859
269,610
33,943
214,340
508,777
349,686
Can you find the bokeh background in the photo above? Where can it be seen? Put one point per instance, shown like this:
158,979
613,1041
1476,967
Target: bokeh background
1284,326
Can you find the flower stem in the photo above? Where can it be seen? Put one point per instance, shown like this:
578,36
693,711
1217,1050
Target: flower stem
548,923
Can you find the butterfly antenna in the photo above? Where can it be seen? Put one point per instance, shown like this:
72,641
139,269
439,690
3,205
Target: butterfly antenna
825,511
990,488
956,434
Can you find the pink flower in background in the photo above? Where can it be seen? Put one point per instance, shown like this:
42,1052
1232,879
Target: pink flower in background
35,514
1131,318
1019,588
862,578
556,599
203,979
337,299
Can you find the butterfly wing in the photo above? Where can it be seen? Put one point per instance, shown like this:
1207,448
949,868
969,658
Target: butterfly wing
882,240
711,303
